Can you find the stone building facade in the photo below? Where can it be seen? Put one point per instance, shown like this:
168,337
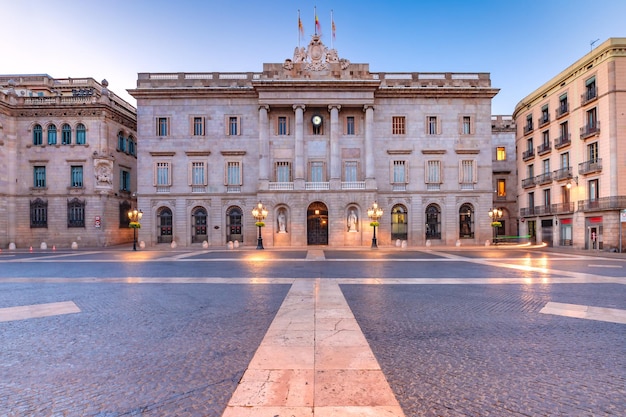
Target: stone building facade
318,140
68,156
571,144
504,165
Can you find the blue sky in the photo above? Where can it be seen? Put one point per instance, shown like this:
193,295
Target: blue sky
522,43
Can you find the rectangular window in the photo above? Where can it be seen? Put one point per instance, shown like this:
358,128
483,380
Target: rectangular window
546,166
162,127
76,176
529,123
467,172
282,126
592,119
545,115
433,172
350,128
39,175
590,89
432,125
398,125
563,107
565,160
501,188
317,171
594,190
531,201
121,143
399,172
592,151
197,175
546,197
283,171
350,171
162,174
467,125
198,126
233,173
500,153
124,180
531,171
233,126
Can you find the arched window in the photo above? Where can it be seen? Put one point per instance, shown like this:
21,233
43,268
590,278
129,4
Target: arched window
164,217
466,221
76,213
132,146
37,135
52,134
399,224
199,230
66,134
433,222
38,213
124,219
234,219
81,134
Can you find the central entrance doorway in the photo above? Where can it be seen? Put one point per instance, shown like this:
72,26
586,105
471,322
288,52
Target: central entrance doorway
317,224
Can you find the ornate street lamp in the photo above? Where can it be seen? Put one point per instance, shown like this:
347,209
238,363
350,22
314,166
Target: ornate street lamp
495,215
374,213
259,213
135,217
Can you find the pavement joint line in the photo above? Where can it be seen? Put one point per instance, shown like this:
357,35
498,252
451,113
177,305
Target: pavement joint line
611,315
37,311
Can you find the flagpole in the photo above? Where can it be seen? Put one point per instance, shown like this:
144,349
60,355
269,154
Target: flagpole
299,28
315,18
332,30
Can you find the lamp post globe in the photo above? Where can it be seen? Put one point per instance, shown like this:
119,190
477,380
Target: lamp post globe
495,215
374,213
259,213
135,222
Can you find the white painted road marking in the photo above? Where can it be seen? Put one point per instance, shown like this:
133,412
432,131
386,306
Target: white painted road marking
38,310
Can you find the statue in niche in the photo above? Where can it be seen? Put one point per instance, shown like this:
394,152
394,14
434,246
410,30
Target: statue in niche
282,222
352,221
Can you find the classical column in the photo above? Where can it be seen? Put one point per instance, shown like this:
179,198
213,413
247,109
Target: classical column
264,147
369,144
299,146
335,156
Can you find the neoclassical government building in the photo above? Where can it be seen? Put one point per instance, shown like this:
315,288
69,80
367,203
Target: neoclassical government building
317,140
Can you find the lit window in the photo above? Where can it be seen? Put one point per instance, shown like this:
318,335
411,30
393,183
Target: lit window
501,189
501,153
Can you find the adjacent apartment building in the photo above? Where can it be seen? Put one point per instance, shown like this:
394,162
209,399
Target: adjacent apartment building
317,140
571,152
68,157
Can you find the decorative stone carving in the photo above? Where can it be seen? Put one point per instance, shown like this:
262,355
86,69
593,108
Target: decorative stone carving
315,57
103,169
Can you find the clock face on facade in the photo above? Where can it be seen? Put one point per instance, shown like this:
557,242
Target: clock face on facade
316,120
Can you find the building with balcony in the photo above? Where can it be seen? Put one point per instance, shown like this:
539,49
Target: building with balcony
572,164
68,156
318,140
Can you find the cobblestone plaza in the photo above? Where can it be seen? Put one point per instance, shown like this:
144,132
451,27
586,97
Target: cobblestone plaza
454,332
